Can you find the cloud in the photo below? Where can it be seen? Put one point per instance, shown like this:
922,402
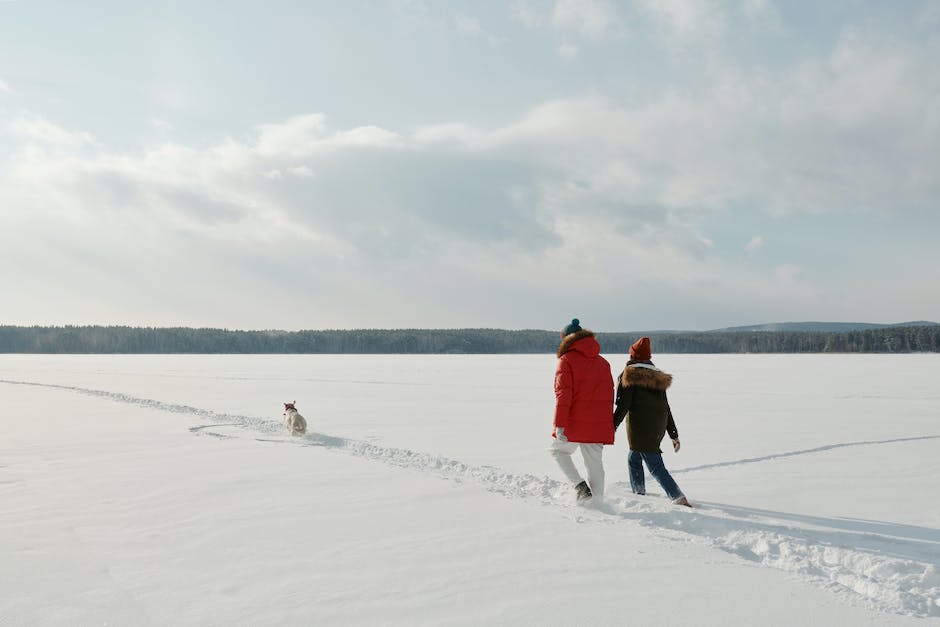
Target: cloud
681,156
376,191
161,125
659,170
297,136
752,246
4,88
302,171
40,131
470,26
686,23
527,13
306,135
591,19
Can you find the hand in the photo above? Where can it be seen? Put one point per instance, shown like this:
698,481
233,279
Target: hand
560,434
676,445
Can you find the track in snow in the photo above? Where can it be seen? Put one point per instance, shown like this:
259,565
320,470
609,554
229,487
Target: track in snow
808,451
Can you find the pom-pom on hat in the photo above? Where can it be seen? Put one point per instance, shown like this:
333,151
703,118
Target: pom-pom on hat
574,327
640,351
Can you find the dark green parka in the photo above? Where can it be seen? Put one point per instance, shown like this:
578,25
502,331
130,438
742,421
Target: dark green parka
641,399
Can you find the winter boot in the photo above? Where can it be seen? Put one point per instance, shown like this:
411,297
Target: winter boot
682,501
584,492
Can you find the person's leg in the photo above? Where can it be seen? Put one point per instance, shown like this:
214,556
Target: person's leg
654,461
593,461
637,476
562,452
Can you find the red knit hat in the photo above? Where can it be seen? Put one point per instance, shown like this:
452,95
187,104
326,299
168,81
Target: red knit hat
640,351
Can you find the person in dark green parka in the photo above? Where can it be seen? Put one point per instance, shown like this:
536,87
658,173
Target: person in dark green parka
641,400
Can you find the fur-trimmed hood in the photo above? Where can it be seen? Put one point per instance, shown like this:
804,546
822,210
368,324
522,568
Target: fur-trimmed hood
644,376
589,349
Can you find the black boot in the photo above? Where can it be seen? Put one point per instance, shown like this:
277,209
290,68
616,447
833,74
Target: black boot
584,492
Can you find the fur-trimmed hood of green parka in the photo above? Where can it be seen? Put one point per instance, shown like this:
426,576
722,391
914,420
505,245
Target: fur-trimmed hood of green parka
645,376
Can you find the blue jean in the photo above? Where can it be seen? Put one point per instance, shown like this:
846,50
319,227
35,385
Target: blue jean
654,461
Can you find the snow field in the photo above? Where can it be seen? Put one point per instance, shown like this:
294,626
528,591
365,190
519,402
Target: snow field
876,570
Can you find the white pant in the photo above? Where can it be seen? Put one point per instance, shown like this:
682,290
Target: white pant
562,450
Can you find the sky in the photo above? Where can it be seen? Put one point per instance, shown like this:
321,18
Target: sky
639,164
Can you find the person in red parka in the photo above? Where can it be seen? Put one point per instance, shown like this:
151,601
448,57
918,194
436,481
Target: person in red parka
584,398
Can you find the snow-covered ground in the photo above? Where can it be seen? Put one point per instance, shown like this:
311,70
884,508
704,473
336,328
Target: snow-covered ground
163,490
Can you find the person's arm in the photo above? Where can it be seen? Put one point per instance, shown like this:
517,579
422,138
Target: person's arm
624,399
563,393
671,428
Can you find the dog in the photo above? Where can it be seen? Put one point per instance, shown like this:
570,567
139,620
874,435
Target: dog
296,424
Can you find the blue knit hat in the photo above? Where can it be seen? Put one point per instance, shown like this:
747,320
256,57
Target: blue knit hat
574,327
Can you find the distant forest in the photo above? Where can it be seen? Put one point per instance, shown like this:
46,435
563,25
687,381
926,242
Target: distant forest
146,340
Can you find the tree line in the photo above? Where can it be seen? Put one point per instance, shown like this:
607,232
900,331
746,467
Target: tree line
184,340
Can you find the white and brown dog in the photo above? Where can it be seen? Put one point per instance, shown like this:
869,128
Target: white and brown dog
296,423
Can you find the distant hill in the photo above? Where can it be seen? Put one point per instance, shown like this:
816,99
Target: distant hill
823,327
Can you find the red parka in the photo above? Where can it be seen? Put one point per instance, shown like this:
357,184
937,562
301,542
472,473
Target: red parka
584,390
